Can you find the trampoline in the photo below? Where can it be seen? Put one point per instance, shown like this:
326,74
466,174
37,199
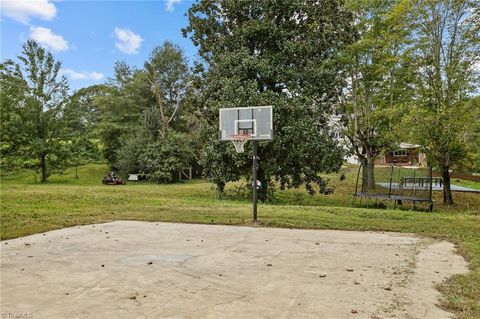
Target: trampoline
398,184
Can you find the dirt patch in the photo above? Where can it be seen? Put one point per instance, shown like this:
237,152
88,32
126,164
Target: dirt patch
129,269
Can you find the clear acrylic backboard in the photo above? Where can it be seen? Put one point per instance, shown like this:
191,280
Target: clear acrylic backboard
256,121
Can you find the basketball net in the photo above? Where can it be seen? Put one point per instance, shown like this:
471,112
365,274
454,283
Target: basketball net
239,140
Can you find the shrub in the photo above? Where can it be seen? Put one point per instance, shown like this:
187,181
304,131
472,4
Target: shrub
127,156
160,160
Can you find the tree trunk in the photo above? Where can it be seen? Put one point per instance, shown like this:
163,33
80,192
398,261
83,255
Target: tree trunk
371,174
447,192
43,167
368,174
221,187
165,128
364,163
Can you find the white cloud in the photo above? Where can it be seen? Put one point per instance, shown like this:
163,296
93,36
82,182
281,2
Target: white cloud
82,75
169,6
127,41
24,10
48,39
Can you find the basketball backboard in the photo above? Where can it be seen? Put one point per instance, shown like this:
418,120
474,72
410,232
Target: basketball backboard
256,121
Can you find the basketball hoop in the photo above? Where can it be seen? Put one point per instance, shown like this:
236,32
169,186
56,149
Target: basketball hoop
239,140
240,124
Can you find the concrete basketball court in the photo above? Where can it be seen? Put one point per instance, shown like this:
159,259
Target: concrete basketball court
129,269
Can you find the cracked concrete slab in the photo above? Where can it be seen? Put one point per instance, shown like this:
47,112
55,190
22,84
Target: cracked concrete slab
129,269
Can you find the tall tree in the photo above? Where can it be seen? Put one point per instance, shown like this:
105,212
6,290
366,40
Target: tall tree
378,79
38,110
83,112
167,72
122,104
139,115
82,118
12,137
447,56
282,53
473,162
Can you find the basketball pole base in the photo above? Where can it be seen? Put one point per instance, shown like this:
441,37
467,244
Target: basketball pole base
254,181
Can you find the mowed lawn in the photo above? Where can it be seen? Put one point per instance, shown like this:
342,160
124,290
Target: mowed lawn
28,207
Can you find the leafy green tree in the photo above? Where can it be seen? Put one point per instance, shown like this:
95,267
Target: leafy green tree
37,105
127,157
378,79
83,112
156,145
82,116
163,160
280,53
473,162
12,138
447,51
160,160
167,72
122,107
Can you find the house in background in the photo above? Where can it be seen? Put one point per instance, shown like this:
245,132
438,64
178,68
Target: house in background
405,155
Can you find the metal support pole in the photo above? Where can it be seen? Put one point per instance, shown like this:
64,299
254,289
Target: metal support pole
254,182
390,187
414,183
430,190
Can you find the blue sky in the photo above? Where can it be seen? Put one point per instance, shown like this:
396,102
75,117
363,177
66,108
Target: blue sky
89,36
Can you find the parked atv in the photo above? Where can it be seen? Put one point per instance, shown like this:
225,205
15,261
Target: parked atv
111,179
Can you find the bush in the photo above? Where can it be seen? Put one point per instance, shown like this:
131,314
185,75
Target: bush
160,160
127,156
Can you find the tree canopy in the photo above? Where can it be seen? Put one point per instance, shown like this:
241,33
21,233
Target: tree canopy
35,98
280,53
378,73
446,59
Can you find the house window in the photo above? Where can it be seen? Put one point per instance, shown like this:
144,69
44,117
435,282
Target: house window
400,153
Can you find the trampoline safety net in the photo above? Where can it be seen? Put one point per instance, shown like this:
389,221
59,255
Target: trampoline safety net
398,184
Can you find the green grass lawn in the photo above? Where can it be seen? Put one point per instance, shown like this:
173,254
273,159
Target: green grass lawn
28,207
465,183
